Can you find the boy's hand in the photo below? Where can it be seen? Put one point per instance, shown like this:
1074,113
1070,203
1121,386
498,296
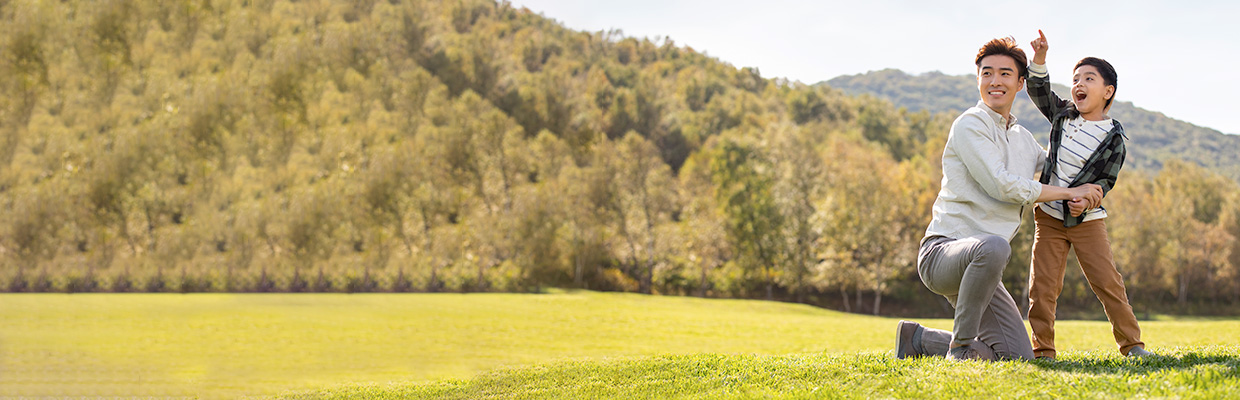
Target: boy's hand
1090,194
1039,48
1077,207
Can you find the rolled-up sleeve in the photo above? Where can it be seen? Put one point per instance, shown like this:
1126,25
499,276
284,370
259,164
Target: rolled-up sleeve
982,157
1038,70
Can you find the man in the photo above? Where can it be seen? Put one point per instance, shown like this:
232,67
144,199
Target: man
988,169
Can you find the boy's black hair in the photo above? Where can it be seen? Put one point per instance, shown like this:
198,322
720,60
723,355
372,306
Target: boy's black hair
1106,70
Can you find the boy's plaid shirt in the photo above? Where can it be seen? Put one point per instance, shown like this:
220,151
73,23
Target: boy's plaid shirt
1102,167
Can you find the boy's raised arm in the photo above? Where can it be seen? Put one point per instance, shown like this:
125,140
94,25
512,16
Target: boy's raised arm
1039,82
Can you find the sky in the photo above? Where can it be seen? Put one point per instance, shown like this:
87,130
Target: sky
1178,59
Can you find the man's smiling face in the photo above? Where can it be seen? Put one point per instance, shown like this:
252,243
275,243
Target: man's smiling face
998,81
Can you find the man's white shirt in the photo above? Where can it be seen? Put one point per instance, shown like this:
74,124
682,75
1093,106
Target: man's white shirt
989,165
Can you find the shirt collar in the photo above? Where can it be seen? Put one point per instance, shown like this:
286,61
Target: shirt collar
1106,123
999,119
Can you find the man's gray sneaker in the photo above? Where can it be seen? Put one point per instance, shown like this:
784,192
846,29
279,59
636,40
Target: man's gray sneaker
906,343
963,353
1139,352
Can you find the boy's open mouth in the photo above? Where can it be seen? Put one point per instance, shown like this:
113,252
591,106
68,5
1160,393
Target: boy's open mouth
1079,96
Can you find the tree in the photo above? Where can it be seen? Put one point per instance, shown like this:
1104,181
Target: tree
1229,274
537,216
34,223
703,224
442,172
872,219
799,186
744,186
25,66
310,234
1140,232
646,192
1200,244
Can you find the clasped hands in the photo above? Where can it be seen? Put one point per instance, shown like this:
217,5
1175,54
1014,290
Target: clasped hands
1084,197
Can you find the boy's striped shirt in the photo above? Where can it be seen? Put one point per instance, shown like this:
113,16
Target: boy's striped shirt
1080,138
1101,167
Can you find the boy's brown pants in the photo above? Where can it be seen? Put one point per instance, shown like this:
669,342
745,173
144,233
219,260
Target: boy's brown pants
1050,259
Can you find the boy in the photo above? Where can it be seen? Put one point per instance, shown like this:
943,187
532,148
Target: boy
1086,146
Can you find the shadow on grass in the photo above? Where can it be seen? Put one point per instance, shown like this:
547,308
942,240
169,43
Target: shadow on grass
1096,364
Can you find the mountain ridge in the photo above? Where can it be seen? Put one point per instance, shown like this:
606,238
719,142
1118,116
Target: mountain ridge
1154,138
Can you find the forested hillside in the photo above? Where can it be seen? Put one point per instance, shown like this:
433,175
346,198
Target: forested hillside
266,145
1154,139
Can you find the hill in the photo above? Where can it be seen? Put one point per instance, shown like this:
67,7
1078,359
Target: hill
1154,138
413,145
476,146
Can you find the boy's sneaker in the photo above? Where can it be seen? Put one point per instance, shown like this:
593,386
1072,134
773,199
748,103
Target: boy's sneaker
1139,352
905,331
963,353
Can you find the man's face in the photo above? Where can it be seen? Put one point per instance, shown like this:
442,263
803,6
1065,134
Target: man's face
998,80
1089,91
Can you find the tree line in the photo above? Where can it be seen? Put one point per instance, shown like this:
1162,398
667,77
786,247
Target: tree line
361,146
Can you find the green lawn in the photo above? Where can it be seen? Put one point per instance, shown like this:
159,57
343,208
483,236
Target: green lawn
1209,373
550,345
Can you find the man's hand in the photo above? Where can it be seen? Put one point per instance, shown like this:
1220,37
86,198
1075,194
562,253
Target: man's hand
1088,193
1076,207
1039,48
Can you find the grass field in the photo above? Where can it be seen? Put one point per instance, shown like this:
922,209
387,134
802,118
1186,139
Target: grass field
1206,373
560,345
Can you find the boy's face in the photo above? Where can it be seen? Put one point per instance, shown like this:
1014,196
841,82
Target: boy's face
998,81
1089,91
